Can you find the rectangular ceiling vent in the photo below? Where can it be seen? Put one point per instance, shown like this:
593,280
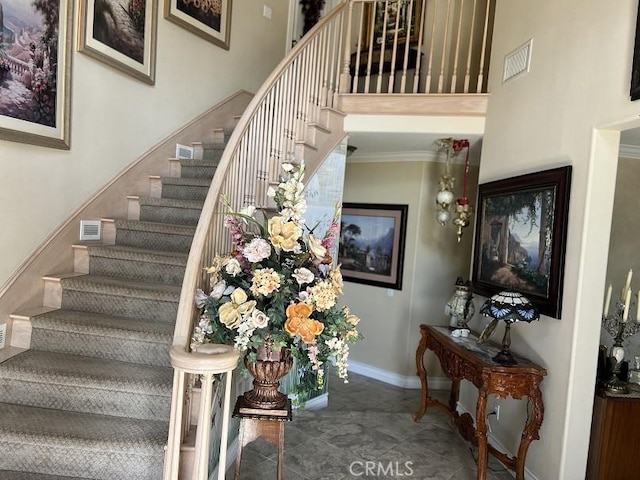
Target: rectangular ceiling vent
3,334
184,152
90,229
517,62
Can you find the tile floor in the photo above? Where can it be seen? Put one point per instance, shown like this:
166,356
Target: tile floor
367,424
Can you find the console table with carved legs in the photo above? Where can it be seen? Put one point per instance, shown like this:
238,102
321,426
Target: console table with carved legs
462,358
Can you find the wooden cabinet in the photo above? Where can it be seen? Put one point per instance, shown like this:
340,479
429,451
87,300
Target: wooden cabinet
614,450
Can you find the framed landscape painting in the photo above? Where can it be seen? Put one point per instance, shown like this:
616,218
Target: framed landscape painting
120,33
210,20
371,247
35,71
521,237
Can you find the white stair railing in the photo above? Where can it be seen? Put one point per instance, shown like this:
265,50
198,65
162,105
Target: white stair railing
361,46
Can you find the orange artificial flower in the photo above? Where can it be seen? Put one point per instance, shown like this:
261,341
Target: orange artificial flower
299,323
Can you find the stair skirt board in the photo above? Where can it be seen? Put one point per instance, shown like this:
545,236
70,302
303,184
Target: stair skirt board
92,398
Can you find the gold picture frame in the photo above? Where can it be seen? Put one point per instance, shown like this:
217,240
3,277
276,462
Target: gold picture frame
121,34
35,79
209,19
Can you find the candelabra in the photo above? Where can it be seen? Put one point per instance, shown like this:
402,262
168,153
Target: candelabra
619,328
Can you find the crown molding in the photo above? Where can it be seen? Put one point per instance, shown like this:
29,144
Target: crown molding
629,151
409,156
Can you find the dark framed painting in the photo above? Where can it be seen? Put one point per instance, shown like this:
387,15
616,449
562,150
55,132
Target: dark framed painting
371,246
401,16
635,66
121,34
35,71
210,20
521,235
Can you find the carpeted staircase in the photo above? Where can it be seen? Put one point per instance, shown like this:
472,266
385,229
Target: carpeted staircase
91,399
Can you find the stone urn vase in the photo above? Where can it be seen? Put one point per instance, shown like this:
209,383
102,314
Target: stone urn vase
267,370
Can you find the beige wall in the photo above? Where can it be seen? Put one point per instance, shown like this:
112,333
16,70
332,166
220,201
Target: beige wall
433,260
579,80
116,118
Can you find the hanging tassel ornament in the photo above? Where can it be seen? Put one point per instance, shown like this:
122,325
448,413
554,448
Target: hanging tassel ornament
445,196
464,211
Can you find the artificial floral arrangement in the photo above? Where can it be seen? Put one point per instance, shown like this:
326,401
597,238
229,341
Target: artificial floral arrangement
279,285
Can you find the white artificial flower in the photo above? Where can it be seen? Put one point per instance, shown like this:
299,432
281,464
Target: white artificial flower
303,275
233,268
218,289
259,319
257,250
304,296
271,192
316,248
201,298
248,211
287,167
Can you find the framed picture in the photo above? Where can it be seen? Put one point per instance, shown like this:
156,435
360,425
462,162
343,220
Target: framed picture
210,20
371,247
401,15
635,67
120,33
521,236
35,71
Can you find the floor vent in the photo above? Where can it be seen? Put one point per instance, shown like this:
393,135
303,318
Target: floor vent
184,152
90,229
517,62
3,334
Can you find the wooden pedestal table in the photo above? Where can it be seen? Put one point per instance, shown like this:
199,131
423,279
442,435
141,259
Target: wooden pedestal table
256,423
462,358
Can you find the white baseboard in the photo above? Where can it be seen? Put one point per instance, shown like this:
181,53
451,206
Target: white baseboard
392,378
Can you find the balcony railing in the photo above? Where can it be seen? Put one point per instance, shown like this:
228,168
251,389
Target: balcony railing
361,46
415,46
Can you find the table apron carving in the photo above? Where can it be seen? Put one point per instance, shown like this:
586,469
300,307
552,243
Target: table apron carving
462,359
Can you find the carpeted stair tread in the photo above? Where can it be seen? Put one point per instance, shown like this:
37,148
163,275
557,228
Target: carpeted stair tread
187,181
124,252
143,341
122,287
155,227
72,321
205,162
40,367
47,426
171,202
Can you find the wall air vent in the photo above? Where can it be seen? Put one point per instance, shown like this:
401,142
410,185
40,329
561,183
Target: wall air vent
184,152
3,334
90,229
517,62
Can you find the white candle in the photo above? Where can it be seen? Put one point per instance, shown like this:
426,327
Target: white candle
638,308
627,285
627,301
607,301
